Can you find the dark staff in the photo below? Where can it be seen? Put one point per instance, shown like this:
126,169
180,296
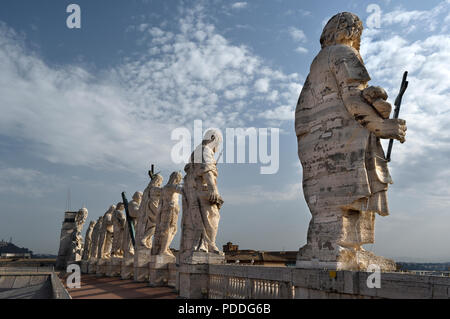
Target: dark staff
398,102
129,220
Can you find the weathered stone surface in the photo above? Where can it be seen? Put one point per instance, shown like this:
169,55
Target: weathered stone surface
141,265
127,269
71,241
100,269
201,200
113,267
339,122
159,270
92,266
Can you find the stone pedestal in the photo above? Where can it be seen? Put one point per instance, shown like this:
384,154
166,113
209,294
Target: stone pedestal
141,265
127,270
173,271
101,267
92,266
192,277
159,270
356,260
113,267
84,266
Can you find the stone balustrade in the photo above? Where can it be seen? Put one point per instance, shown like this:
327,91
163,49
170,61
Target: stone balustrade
259,282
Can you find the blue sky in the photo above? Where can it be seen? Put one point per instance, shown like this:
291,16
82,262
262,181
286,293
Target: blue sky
90,109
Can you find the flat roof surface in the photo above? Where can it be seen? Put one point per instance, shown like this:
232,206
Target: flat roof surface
93,287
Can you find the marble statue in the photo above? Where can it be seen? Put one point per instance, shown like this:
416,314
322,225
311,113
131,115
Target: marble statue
146,225
88,241
106,235
119,224
147,213
133,210
339,122
95,237
167,218
201,200
71,241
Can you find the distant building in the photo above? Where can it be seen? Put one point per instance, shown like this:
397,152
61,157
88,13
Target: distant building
9,250
259,258
229,247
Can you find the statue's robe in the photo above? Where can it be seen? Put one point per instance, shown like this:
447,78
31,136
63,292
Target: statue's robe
200,217
119,220
166,223
88,241
343,162
133,210
148,212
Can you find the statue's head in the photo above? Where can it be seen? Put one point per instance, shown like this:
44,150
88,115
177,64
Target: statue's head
137,197
213,138
92,224
175,178
111,209
120,206
342,28
81,216
157,180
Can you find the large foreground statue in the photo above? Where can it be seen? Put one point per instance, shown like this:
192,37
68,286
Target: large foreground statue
201,200
339,122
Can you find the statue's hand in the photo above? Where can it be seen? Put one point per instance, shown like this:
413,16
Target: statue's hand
393,128
215,198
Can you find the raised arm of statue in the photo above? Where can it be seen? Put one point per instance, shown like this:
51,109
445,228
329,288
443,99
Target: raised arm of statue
352,77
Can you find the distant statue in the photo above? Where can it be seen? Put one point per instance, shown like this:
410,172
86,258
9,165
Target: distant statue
88,241
147,213
201,199
77,242
96,237
339,122
106,235
133,210
168,209
118,220
71,240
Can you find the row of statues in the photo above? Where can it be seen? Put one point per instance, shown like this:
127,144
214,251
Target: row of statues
154,213
339,122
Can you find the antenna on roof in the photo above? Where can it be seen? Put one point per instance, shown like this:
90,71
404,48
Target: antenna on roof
68,203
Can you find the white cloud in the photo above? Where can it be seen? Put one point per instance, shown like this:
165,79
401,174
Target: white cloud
426,19
419,165
123,117
297,34
26,182
262,85
239,5
301,50
281,113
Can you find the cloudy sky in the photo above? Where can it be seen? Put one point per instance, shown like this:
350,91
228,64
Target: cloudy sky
90,109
